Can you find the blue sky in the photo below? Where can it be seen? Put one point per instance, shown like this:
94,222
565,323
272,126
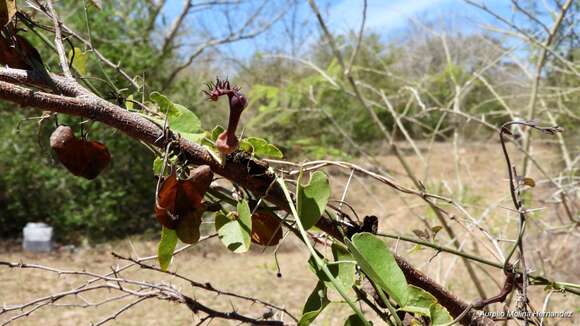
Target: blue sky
388,17
385,17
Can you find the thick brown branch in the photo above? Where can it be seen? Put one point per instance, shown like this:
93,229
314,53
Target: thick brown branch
195,307
446,299
58,84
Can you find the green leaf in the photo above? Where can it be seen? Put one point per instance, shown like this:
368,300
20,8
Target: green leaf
260,147
314,305
217,130
129,103
157,165
180,119
376,260
436,230
312,199
419,301
79,60
354,320
166,247
234,229
246,146
345,270
194,138
424,303
439,315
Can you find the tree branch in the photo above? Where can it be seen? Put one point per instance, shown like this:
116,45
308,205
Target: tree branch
58,41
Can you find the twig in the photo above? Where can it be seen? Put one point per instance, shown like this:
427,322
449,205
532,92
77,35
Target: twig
538,75
359,39
196,306
122,310
205,286
514,184
58,41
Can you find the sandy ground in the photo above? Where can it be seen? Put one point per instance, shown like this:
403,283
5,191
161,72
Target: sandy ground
477,179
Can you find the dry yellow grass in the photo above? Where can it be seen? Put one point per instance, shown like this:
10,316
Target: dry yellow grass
481,175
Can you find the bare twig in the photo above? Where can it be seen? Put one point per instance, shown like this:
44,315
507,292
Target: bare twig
58,41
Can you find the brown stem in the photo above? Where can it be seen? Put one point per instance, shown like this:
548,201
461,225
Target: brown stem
233,122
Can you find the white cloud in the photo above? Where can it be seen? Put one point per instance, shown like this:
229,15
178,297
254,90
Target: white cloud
382,15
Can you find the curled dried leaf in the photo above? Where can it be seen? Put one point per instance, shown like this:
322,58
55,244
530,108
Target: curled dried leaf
266,229
171,202
421,234
179,205
529,182
81,157
17,52
188,227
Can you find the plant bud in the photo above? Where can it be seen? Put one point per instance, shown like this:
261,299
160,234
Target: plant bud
227,142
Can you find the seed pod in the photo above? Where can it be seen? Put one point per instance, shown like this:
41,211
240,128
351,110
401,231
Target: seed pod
179,205
188,227
82,158
266,229
17,52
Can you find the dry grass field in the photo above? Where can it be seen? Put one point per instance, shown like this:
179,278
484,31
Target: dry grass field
478,180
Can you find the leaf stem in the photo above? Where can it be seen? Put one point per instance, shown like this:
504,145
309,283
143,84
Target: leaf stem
317,259
389,306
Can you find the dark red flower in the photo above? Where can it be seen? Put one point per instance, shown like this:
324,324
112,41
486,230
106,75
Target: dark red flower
227,141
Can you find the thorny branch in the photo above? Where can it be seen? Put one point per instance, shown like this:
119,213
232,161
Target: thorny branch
205,286
141,290
515,183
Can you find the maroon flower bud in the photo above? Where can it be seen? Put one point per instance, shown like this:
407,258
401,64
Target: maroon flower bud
227,141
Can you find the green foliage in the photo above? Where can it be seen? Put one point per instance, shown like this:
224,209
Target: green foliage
344,268
376,260
354,320
260,147
439,315
35,187
79,60
312,199
166,247
179,118
420,301
319,116
234,229
314,305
